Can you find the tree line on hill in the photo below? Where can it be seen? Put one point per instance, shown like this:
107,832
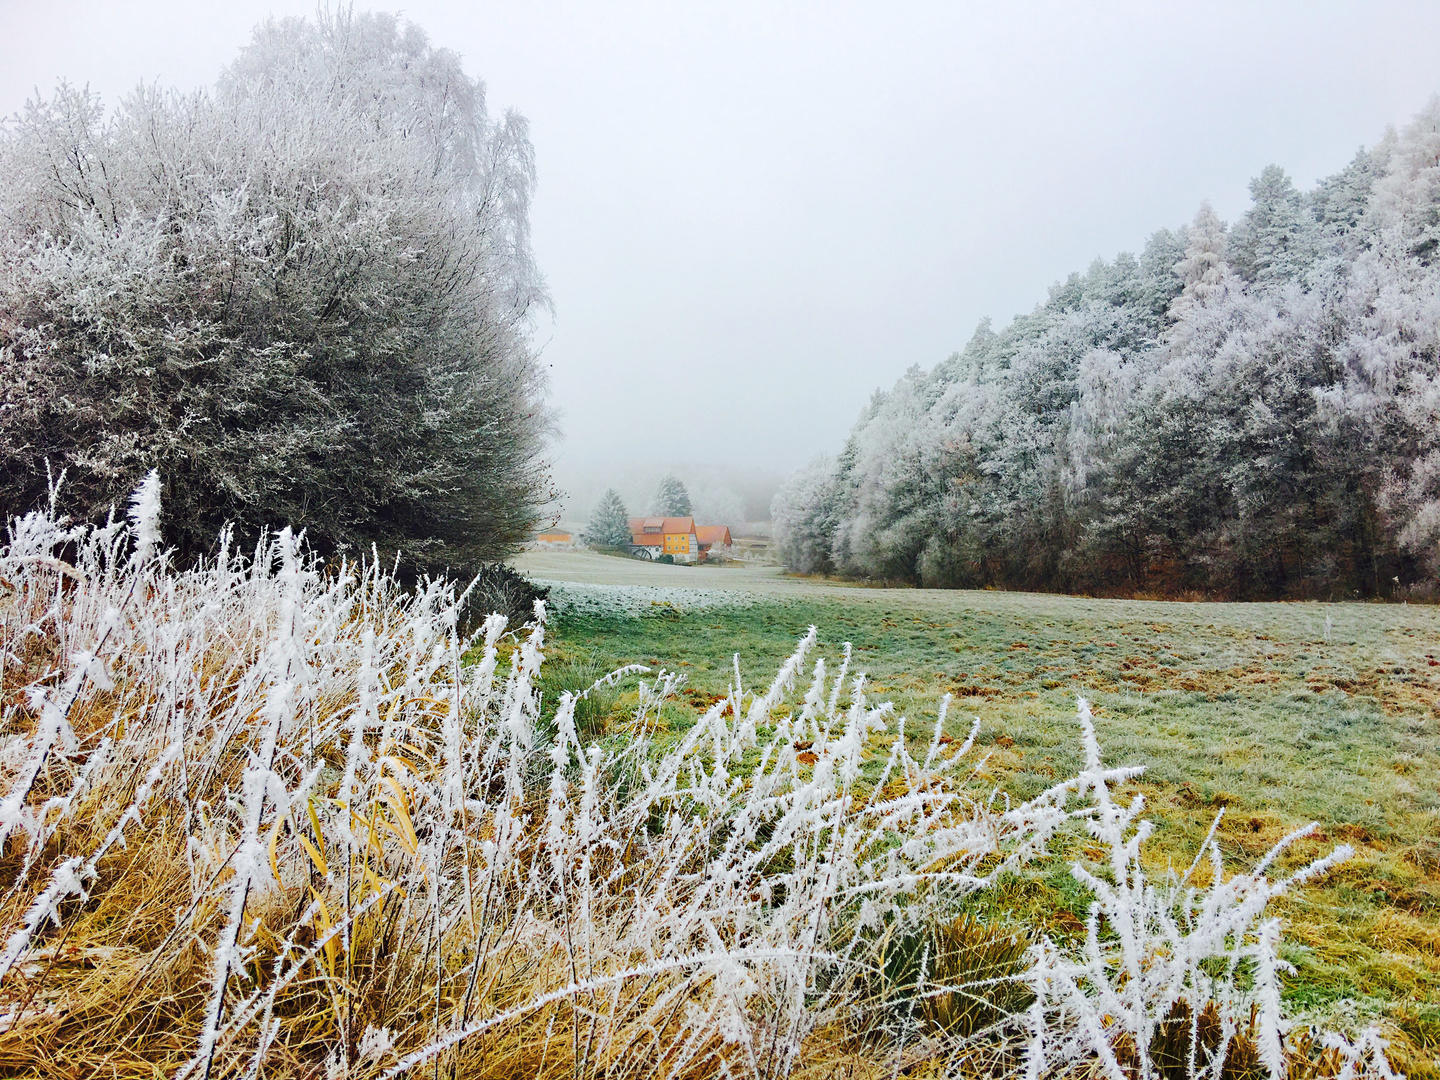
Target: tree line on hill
1246,411
304,296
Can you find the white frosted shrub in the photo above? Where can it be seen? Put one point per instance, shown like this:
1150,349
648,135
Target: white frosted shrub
305,294
292,812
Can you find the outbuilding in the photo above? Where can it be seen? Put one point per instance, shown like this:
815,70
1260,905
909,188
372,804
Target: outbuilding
710,535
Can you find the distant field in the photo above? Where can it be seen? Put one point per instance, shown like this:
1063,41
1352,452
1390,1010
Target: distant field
1281,713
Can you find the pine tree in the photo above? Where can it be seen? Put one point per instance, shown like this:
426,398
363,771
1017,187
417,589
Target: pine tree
609,524
1277,239
672,500
1204,269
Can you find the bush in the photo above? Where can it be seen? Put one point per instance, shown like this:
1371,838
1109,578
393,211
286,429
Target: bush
501,589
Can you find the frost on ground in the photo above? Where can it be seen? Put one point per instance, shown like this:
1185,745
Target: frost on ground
568,598
264,819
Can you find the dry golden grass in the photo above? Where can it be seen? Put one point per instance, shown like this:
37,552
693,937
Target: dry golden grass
281,830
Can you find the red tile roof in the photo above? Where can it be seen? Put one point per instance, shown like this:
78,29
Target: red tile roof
660,526
708,535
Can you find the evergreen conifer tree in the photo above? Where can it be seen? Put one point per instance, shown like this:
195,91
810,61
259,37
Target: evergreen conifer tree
609,524
1204,269
672,500
1276,241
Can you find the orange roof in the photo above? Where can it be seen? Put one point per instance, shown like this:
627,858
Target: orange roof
660,526
554,538
712,534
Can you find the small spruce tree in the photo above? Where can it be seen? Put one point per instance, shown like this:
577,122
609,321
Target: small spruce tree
672,500
609,524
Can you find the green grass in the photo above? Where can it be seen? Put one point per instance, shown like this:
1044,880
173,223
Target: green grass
1245,706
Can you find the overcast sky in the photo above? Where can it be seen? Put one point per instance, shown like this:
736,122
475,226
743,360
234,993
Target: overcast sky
751,215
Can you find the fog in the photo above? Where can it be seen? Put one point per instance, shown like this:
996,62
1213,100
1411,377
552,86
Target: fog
751,217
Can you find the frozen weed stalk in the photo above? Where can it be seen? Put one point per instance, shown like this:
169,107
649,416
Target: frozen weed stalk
268,818
1171,979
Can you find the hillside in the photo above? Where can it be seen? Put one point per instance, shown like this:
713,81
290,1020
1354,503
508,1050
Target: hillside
1245,411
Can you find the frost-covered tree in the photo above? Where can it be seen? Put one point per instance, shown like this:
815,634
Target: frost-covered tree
804,516
610,523
671,498
1249,412
716,503
304,296
1204,271
1276,240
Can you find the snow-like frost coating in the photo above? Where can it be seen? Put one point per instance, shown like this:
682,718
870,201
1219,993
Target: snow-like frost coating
576,599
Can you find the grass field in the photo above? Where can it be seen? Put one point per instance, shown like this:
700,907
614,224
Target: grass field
1280,713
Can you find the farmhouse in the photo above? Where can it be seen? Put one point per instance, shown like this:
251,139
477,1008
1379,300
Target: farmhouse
678,537
655,536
